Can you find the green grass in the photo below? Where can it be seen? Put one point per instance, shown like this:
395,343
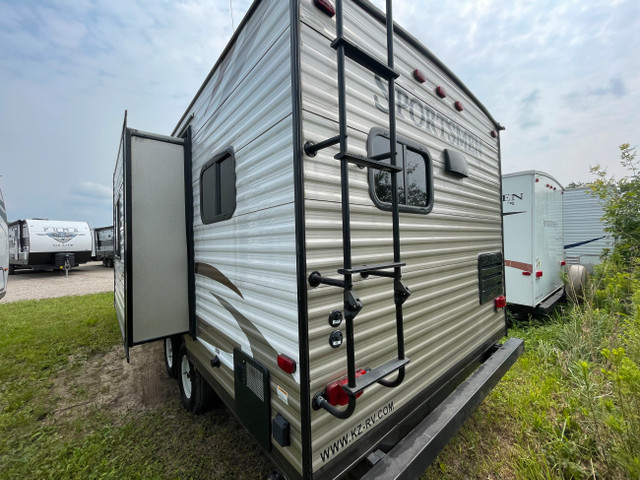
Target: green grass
44,341
568,409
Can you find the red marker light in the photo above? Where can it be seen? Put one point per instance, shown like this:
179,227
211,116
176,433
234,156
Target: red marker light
334,393
459,106
500,302
563,263
538,273
286,364
494,134
325,6
419,76
526,274
441,92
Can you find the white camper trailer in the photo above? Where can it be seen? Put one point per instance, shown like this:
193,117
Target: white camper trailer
585,240
331,297
533,247
4,248
41,244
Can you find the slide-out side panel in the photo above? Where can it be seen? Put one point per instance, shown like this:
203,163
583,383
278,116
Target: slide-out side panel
4,247
584,236
548,246
518,209
119,221
158,239
444,321
245,285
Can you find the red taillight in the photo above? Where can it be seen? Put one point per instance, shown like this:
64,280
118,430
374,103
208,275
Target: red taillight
441,92
458,106
419,76
526,274
538,273
286,364
325,6
563,263
537,180
336,395
500,302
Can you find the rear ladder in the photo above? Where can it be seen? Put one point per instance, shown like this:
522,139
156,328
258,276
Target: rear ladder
352,304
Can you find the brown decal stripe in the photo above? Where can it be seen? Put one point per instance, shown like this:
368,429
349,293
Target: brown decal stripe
259,345
527,267
213,273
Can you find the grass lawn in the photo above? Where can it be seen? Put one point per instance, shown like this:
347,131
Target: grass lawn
53,423
71,407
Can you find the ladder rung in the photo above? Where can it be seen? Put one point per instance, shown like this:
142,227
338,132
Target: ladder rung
372,376
381,156
367,162
369,268
363,58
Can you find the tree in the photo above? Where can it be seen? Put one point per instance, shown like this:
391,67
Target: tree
621,203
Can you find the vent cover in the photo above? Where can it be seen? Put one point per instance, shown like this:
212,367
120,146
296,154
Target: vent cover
252,395
490,276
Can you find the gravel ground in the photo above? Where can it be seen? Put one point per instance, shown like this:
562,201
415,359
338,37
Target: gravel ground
89,277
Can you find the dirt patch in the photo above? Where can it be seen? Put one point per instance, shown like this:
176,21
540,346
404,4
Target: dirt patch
109,382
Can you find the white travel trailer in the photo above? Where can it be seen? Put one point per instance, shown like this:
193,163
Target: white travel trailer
533,247
4,248
585,240
331,297
41,244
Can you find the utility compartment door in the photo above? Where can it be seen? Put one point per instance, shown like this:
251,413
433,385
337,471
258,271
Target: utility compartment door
155,259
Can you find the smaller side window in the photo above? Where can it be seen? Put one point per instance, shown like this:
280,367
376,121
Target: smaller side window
415,181
218,188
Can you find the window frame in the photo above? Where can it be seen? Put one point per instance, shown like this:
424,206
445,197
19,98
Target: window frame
415,147
227,153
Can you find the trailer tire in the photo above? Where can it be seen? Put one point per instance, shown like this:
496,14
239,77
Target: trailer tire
171,349
195,392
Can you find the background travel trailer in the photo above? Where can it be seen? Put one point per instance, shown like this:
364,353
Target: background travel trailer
533,245
283,282
4,248
103,245
47,244
585,240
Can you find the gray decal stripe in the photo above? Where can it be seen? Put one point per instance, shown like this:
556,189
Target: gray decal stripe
213,273
3,214
256,339
571,245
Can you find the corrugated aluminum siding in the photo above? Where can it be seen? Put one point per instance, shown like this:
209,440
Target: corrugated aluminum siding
247,104
582,221
443,319
119,224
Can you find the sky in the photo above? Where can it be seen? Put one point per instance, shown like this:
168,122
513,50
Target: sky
563,77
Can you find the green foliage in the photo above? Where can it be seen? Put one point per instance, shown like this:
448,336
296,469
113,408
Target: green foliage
621,203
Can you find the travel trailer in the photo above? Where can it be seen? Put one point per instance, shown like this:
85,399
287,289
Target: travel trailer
103,245
533,246
585,239
4,248
331,242
41,244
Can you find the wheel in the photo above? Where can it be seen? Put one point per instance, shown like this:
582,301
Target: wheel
12,269
195,392
171,348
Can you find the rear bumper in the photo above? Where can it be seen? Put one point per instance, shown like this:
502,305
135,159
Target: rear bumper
415,452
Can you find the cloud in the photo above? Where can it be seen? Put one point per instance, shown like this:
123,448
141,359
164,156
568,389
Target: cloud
527,115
